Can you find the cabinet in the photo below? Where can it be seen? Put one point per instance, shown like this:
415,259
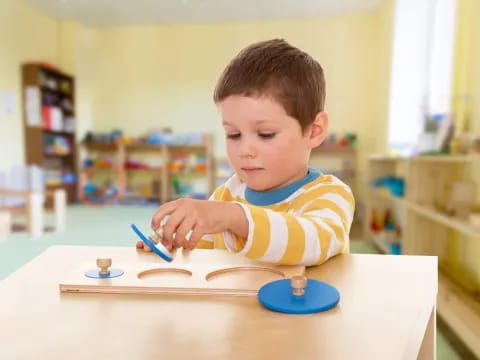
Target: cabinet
428,227
160,173
49,125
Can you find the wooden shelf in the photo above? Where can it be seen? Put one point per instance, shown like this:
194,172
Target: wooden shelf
153,170
143,147
55,132
34,76
57,155
446,158
55,91
187,148
460,311
427,158
386,158
459,225
100,146
337,160
168,153
380,244
426,230
334,150
171,148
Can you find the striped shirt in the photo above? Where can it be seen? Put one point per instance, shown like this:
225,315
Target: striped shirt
304,223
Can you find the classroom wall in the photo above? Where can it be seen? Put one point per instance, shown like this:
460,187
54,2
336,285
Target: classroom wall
25,34
466,87
475,74
145,77
383,65
78,56
165,75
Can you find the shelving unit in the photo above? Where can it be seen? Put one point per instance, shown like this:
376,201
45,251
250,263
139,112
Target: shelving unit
165,168
339,160
426,230
336,159
448,221
49,125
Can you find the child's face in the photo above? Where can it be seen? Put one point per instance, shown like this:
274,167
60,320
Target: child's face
265,146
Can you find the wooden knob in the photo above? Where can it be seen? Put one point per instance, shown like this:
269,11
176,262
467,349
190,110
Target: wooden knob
159,232
298,282
104,264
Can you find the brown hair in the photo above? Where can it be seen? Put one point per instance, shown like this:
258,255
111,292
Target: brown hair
277,69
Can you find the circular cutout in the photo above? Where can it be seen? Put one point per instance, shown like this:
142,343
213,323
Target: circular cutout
244,276
173,272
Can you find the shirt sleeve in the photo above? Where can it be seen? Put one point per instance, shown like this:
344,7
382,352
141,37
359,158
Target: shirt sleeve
309,237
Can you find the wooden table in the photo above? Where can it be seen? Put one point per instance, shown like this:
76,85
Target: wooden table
386,311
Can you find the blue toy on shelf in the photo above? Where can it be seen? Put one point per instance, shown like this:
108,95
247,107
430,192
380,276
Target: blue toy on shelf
394,184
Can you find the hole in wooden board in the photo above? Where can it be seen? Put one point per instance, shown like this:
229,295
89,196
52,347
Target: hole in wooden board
244,276
164,273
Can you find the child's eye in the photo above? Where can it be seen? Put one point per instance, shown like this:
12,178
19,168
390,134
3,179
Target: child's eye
233,136
266,135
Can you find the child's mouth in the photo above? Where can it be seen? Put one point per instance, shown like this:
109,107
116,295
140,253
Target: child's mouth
251,169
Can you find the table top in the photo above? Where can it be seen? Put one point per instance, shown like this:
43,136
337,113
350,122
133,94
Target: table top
385,304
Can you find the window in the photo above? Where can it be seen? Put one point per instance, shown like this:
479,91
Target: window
421,76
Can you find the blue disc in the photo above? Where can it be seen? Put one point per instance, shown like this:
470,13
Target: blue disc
278,296
95,274
158,249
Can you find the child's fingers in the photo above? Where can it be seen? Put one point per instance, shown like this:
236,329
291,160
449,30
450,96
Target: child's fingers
163,211
183,232
170,227
140,245
195,236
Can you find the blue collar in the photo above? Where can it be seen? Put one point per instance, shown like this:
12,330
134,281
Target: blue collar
262,198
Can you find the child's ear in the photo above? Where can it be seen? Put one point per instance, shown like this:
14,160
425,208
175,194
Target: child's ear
318,129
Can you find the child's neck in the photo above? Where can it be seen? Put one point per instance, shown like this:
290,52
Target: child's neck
263,198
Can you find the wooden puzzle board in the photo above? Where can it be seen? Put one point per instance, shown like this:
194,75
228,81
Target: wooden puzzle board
235,278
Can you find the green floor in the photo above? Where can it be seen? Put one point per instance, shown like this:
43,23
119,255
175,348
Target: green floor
106,227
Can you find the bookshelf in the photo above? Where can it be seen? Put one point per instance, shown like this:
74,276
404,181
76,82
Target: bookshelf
429,229
48,97
161,169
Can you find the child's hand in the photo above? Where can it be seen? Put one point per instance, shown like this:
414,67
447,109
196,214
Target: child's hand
141,245
190,219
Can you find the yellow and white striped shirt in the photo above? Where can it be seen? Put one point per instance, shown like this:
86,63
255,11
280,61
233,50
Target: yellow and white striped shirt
304,223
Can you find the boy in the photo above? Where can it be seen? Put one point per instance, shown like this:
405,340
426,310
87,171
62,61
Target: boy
274,209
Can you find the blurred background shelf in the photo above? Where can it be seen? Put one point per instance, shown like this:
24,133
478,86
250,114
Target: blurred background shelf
49,123
158,171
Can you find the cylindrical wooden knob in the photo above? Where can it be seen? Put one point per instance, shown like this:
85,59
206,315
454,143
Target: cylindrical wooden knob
298,282
159,232
157,237
104,264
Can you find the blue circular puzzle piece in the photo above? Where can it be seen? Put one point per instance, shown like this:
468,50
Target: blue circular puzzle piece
278,296
158,249
95,274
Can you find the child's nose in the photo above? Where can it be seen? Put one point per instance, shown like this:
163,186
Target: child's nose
247,148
